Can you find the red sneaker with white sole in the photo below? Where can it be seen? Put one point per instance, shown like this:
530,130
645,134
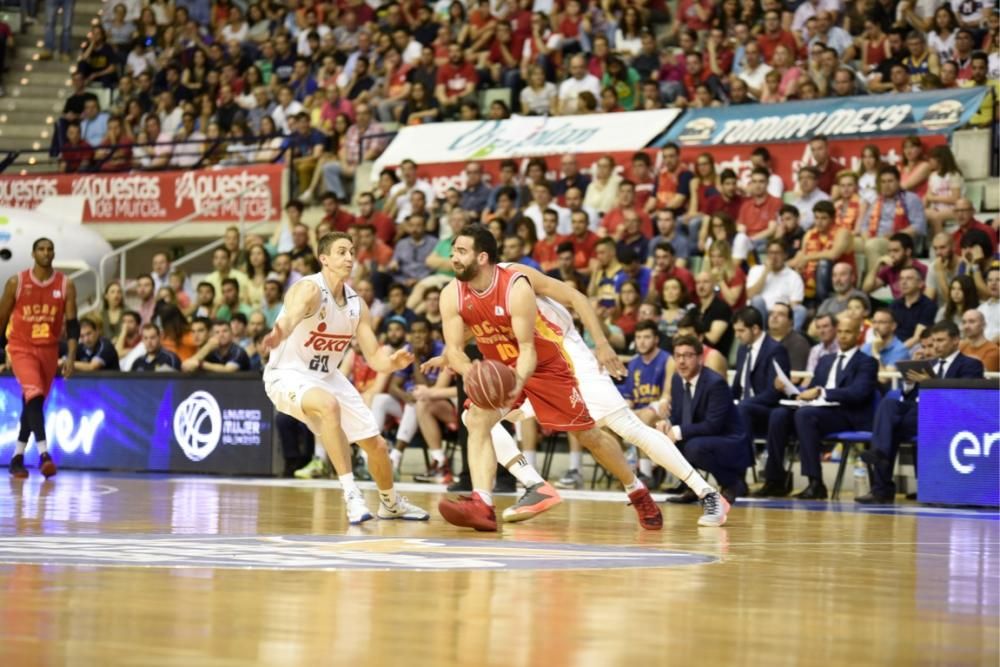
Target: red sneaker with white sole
650,517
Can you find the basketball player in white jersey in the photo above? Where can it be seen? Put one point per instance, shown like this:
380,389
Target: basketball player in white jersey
604,403
319,318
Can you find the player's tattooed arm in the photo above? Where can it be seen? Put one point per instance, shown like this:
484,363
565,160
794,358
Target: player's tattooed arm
523,311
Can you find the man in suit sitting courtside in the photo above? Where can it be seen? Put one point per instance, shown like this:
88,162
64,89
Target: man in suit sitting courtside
704,422
896,421
753,385
849,378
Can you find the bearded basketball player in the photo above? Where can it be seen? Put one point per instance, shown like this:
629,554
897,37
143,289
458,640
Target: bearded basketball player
320,316
498,305
34,305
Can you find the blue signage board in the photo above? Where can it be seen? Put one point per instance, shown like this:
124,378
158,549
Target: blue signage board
958,462
168,423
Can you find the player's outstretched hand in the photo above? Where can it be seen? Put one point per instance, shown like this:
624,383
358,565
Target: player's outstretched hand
434,363
609,361
272,339
400,359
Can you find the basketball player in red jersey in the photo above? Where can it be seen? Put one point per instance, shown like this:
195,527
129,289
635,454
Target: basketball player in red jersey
498,305
34,304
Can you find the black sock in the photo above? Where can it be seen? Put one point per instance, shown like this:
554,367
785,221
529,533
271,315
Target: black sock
36,417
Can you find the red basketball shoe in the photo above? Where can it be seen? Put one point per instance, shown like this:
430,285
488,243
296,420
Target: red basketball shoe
47,465
647,509
469,512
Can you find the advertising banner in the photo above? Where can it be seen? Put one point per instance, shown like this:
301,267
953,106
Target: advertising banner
157,196
525,136
866,116
165,423
959,440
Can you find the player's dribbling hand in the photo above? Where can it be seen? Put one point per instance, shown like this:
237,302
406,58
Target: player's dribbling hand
434,363
609,361
400,359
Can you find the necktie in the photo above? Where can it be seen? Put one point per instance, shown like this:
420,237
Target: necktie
840,369
747,387
940,368
687,408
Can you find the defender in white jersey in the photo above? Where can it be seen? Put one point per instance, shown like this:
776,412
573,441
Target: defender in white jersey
604,403
313,331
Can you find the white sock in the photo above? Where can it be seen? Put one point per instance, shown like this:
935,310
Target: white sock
511,457
388,497
396,457
350,486
646,467
485,497
576,461
659,448
531,457
634,486
19,448
42,446
437,455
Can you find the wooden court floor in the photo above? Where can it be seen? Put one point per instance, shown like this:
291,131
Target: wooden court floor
101,569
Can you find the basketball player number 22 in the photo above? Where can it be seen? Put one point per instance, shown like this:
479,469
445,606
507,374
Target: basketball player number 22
506,351
321,362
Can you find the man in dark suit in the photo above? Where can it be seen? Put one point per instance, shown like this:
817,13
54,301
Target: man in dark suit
753,385
896,421
849,378
705,423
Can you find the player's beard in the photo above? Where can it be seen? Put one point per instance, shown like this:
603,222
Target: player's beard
467,273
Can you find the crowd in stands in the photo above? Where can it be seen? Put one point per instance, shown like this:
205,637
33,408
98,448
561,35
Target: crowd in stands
666,250
245,81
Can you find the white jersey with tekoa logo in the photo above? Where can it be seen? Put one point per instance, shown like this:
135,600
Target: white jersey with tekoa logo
318,344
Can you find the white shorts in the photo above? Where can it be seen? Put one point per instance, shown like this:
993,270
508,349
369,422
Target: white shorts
286,387
599,392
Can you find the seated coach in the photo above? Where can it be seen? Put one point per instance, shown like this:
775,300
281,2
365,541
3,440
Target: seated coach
896,421
704,422
848,378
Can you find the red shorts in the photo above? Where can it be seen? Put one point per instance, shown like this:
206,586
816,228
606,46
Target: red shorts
556,398
34,367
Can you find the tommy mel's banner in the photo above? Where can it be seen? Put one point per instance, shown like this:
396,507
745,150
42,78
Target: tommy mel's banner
156,422
157,196
868,116
525,136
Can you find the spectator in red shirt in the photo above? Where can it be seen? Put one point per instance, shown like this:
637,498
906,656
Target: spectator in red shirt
694,14
759,212
546,250
965,218
456,81
584,241
76,154
728,199
338,219
773,36
372,256
697,74
673,183
825,164
385,227
614,218
642,176
665,267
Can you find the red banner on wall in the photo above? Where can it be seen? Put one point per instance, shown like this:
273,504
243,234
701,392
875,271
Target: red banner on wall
157,196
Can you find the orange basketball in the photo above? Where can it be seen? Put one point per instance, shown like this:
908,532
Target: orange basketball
488,383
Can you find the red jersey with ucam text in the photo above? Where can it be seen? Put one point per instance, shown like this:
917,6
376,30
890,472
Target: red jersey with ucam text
318,344
39,308
488,317
552,388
